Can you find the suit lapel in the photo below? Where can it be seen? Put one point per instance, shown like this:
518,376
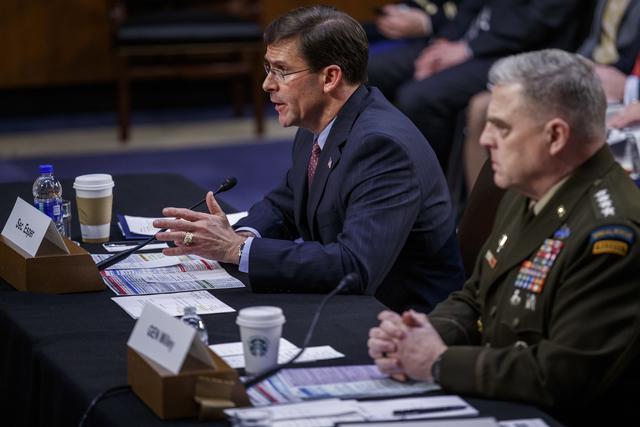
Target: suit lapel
332,151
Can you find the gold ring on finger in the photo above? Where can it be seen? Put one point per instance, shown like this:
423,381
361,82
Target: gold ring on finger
188,238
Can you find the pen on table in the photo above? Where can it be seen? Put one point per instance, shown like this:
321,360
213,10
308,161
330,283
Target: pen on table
125,243
417,411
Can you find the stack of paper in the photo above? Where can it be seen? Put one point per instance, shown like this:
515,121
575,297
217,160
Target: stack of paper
294,385
327,412
174,303
155,273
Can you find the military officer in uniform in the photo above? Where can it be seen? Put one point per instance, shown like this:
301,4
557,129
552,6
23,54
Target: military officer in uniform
551,314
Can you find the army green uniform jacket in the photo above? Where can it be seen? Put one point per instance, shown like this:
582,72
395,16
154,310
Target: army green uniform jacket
551,314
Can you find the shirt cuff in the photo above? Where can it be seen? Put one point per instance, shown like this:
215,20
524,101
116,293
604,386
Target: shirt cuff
243,266
253,230
631,90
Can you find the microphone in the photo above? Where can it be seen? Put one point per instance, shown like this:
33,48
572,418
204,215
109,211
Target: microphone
226,185
347,281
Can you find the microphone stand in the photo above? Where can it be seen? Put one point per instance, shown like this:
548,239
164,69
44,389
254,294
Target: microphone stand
346,281
226,185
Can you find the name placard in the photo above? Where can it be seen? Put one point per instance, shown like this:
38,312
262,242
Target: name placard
27,227
166,340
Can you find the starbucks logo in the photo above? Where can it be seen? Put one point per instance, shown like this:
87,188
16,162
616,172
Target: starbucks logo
258,346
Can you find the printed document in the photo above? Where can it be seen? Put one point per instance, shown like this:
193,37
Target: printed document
144,225
157,274
297,384
232,353
417,407
174,303
327,412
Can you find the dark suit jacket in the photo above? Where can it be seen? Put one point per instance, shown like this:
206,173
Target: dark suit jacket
379,206
514,26
627,36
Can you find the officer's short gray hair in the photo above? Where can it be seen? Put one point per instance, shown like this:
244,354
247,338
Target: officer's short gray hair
555,82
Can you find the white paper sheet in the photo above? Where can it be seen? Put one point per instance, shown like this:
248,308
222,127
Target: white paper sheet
174,303
235,217
322,413
525,422
121,247
384,409
233,355
139,261
144,225
186,276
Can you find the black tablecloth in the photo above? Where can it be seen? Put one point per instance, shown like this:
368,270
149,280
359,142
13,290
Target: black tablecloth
59,351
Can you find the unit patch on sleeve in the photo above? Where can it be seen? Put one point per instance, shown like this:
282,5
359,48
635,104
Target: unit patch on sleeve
611,239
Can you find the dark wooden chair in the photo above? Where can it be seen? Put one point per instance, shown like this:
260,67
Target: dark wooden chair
478,216
186,39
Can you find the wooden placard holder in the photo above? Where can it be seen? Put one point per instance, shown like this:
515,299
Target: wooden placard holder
172,396
51,270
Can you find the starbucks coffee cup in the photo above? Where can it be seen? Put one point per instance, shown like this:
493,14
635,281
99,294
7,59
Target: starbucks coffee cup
94,198
260,331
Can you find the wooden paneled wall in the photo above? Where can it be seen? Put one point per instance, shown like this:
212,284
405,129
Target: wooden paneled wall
66,42
361,10
54,42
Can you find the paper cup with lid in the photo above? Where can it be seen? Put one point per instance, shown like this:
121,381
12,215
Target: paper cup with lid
94,199
260,331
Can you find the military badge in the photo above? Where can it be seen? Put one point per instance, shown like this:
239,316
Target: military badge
562,232
515,299
501,242
611,239
605,204
530,302
533,273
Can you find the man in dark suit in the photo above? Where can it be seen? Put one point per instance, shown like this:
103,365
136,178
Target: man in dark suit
364,194
433,81
551,313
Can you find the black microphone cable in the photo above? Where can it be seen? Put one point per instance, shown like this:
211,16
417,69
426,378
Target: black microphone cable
102,395
346,281
226,185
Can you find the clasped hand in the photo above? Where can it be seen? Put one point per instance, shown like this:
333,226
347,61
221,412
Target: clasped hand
211,236
405,346
438,56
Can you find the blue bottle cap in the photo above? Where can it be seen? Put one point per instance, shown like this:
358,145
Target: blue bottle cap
46,168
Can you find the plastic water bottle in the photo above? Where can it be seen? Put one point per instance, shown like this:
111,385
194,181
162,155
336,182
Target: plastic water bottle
192,319
47,196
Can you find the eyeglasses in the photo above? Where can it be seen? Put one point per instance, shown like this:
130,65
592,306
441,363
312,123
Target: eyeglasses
279,74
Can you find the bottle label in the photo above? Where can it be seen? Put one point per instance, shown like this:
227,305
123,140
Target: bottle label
51,208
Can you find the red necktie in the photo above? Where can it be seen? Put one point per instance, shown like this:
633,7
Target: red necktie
636,67
313,163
